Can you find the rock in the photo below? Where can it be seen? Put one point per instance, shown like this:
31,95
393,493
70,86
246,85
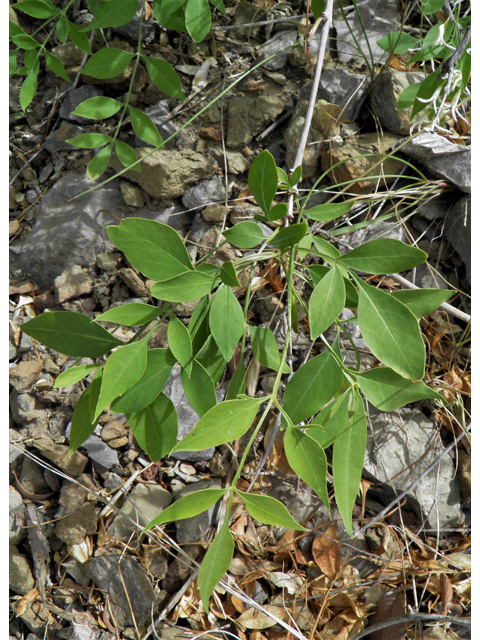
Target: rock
32,478
376,20
340,86
205,193
280,41
167,173
57,140
133,195
157,564
72,283
215,213
24,374
20,575
72,232
388,85
118,574
143,504
75,527
458,231
246,13
100,452
58,454
352,167
16,448
195,529
187,417
15,508
443,158
68,54
73,98
465,474
381,229
249,115
236,161
108,261
166,128
133,282
132,28
404,444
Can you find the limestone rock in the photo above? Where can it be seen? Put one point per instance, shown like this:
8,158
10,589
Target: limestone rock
73,282
388,85
249,115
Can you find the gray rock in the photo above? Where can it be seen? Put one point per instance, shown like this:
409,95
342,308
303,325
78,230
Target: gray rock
132,194
344,88
458,231
16,449
24,374
443,158
215,213
15,507
32,478
280,41
73,98
118,574
378,18
144,503
249,115
205,193
195,529
72,283
246,13
131,29
71,232
57,140
388,85
167,173
74,528
100,452
20,578
401,445
58,454
166,128
69,54
187,417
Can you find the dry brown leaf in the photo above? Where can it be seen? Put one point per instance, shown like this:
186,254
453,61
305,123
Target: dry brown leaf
326,552
390,606
286,546
26,601
446,593
255,619
257,635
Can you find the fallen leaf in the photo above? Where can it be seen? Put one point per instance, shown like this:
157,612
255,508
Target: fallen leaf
326,552
390,606
255,619
446,593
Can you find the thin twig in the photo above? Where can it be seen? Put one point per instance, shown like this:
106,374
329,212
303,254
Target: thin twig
412,617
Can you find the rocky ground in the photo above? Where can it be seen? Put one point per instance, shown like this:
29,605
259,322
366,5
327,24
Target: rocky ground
85,573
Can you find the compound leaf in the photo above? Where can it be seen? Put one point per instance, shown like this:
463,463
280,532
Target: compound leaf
226,321
268,510
384,255
263,180
82,424
265,349
188,506
215,563
199,389
326,302
185,287
108,63
155,427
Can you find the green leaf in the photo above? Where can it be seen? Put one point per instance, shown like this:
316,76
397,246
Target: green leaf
215,563
265,349
330,421
164,77
199,389
387,390
318,7
391,331
226,321
160,363
113,14
122,370
327,212
237,383
397,42
290,235
228,274
144,127
263,180
325,249
170,14
78,37
430,6
154,248
408,96
56,65
211,359
311,387
23,41
347,463
12,62
37,8
421,302
99,163
180,343
282,177
74,374
219,4
296,176
308,460
82,424
318,272
98,108
126,155
223,423
245,235
90,140
278,212
198,19
185,287
188,506
326,302
70,333
432,35
384,255
28,90
269,511
199,328
155,427
132,314
426,90
108,63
